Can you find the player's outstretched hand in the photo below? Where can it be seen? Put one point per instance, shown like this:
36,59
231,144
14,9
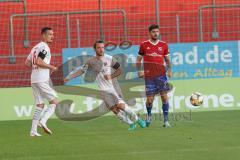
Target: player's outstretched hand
54,69
169,74
141,74
66,80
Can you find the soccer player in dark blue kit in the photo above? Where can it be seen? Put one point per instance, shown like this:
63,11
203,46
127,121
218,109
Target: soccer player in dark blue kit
157,70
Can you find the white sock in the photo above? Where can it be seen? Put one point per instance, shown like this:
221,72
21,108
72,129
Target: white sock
123,117
131,113
36,117
48,113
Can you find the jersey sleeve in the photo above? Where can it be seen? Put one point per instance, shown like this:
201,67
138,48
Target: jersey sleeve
115,65
166,52
141,50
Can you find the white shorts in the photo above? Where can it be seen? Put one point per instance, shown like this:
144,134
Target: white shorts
43,91
111,98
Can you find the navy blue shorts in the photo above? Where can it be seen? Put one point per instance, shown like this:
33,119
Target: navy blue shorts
157,85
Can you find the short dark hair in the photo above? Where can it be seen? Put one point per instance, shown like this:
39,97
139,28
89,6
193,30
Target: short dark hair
153,26
96,42
45,29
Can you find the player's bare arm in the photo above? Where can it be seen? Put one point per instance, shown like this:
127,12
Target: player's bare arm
39,62
28,63
139,66
73,75
169,66
77,72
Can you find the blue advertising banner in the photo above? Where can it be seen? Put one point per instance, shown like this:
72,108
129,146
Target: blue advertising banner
189,60
205,60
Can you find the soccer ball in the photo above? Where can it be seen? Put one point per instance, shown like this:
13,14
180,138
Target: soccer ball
196,99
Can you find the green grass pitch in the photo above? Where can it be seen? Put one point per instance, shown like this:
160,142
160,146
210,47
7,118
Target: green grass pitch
209,136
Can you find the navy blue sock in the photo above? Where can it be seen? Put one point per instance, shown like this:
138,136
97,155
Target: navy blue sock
165,107
149,109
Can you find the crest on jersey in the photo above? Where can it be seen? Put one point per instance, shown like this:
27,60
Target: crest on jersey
159,48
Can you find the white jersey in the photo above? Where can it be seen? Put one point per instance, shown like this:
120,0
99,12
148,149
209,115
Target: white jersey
104,66
40,74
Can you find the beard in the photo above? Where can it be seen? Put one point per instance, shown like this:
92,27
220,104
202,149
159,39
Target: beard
100,54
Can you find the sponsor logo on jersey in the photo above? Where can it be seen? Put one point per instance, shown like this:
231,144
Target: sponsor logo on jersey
154,54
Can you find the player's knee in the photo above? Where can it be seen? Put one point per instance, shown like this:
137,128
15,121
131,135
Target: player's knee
54,101
149,101
115,110
164,98
40,105
121,106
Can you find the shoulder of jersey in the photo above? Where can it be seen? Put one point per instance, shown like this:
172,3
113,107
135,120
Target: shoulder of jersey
162,42
108,56
145,42
41,45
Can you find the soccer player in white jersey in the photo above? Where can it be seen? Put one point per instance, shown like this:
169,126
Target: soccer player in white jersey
39,61
106,70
